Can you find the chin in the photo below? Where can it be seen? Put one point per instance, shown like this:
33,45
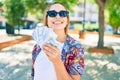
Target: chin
58,27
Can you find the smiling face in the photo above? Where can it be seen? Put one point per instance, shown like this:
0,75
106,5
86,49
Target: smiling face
57,22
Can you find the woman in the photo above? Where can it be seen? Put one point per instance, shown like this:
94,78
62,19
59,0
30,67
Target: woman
68,61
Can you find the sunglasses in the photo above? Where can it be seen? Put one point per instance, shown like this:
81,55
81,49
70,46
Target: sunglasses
61,13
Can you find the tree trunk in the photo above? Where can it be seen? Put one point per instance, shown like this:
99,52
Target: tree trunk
101,5
115,30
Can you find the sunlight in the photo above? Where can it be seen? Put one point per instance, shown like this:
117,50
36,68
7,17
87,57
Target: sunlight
93,72
96,55
16,70
113,66
101,63
89,63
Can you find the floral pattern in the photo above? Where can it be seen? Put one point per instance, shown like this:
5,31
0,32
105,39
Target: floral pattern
72,56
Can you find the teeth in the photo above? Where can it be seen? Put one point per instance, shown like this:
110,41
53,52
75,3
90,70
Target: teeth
57,22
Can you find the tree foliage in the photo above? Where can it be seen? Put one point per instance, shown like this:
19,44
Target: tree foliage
111,4
37,7
14,11
114,18
114,14
40,5
1,4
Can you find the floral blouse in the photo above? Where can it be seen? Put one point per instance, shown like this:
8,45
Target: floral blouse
72,56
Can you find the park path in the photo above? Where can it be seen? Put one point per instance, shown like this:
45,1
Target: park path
15,61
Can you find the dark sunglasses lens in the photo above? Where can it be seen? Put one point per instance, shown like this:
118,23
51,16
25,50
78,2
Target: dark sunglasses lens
63,13
54,13
51,13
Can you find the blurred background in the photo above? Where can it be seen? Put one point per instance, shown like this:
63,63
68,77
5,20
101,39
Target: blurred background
98,19
26,14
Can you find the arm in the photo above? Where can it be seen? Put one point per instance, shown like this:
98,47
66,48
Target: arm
53,54
62,73
75,62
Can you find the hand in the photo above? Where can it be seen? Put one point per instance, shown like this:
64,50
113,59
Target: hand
52,52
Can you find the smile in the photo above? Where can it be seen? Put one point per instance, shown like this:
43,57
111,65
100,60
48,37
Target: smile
57,22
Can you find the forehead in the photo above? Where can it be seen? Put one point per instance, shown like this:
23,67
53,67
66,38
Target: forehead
57,7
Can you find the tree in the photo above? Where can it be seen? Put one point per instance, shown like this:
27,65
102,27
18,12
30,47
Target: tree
114,14
14,12
101,4
114,20
1,4
37,7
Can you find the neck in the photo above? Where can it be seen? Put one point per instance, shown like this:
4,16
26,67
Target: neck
61,36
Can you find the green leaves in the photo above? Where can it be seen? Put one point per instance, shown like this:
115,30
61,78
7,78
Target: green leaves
114,13
114,18
37,7
1,4
14,11
40,5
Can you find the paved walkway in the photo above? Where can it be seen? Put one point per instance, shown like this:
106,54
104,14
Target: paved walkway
15,61
102,66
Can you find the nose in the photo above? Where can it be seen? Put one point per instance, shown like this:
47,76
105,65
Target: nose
57,16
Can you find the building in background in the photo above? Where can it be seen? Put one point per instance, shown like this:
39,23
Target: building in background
90,12
83,15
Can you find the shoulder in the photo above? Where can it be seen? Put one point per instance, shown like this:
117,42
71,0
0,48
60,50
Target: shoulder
74,47
74,56
72,42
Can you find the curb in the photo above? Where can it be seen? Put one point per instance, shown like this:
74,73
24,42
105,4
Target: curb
105,50
87,32
15,41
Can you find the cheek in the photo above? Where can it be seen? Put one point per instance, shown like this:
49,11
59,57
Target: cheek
49,22
65,21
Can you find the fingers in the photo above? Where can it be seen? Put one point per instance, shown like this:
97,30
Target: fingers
48,53
51,46
50,50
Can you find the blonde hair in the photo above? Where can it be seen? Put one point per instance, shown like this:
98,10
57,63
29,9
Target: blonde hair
45,16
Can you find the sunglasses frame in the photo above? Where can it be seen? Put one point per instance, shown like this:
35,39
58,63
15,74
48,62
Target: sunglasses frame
61,13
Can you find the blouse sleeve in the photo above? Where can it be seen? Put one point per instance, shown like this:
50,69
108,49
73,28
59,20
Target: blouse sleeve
35,52
75,60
